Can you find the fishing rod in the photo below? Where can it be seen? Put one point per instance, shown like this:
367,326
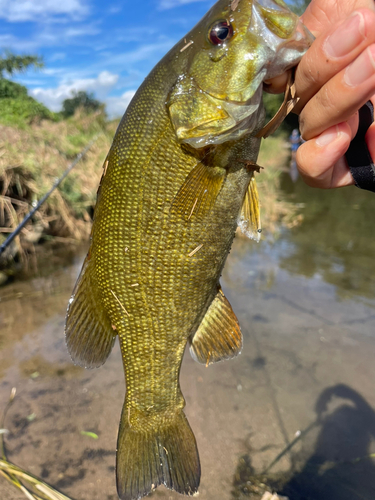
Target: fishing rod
21,225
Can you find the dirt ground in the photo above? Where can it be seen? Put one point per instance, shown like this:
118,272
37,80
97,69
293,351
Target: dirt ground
307,363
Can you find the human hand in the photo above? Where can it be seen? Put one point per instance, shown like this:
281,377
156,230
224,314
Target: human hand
334,79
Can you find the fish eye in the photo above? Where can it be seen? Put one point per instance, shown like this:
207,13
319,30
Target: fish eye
220,32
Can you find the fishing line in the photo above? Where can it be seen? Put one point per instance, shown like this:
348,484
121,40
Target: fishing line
20,226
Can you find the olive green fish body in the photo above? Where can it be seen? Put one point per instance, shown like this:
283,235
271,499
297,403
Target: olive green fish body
174,182
147,261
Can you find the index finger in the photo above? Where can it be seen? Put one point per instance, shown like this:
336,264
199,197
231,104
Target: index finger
332,52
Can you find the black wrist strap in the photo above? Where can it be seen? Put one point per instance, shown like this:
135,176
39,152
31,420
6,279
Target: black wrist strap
358,157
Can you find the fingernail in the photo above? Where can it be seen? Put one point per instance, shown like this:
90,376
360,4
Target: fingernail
347,36
362,68
327,137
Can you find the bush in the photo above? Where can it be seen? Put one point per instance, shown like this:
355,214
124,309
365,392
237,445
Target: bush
81,100
23,110
11,89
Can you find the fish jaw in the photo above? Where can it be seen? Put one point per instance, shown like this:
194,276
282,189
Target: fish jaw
219,95
283,32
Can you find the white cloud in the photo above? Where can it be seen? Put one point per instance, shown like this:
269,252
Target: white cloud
54,97
51,36
116,106
115,9
151,52
35,10
170,4
57,56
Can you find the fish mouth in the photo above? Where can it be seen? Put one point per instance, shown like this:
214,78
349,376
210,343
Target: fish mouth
282,32
290,52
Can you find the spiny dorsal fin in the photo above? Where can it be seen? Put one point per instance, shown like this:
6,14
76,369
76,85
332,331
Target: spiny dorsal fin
249,221
219,335
198,193
88,331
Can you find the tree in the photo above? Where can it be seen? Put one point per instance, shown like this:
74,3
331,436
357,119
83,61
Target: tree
17,107
83,100
11,63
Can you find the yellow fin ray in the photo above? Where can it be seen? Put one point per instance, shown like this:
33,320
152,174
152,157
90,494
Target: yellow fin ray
249,221
198,193
219,335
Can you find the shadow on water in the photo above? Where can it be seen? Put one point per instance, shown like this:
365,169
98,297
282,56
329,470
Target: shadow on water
340,466
316,335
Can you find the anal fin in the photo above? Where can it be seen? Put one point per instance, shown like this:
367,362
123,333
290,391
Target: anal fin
198,193
249,221
88,331
219,335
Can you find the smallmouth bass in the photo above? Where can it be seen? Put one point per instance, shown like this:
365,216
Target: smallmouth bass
177,181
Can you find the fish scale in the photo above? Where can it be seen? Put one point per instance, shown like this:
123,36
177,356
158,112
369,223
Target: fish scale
169,202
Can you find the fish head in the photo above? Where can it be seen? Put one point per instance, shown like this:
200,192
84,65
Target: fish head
235,47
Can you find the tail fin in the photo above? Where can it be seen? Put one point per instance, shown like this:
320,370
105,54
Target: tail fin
156,455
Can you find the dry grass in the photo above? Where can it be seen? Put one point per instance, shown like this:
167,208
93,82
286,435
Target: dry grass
32,159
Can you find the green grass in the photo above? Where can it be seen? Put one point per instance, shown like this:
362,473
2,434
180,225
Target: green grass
23,110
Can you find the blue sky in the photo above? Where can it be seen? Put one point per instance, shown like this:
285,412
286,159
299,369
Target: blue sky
105,47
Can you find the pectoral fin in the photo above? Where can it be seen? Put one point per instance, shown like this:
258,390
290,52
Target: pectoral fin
249,221
198,193
219,335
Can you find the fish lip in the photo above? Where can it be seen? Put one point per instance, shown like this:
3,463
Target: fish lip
225,99
301,38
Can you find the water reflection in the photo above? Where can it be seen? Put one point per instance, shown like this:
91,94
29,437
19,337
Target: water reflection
293,170
335,240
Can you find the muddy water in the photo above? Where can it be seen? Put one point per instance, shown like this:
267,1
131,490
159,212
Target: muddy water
307,308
